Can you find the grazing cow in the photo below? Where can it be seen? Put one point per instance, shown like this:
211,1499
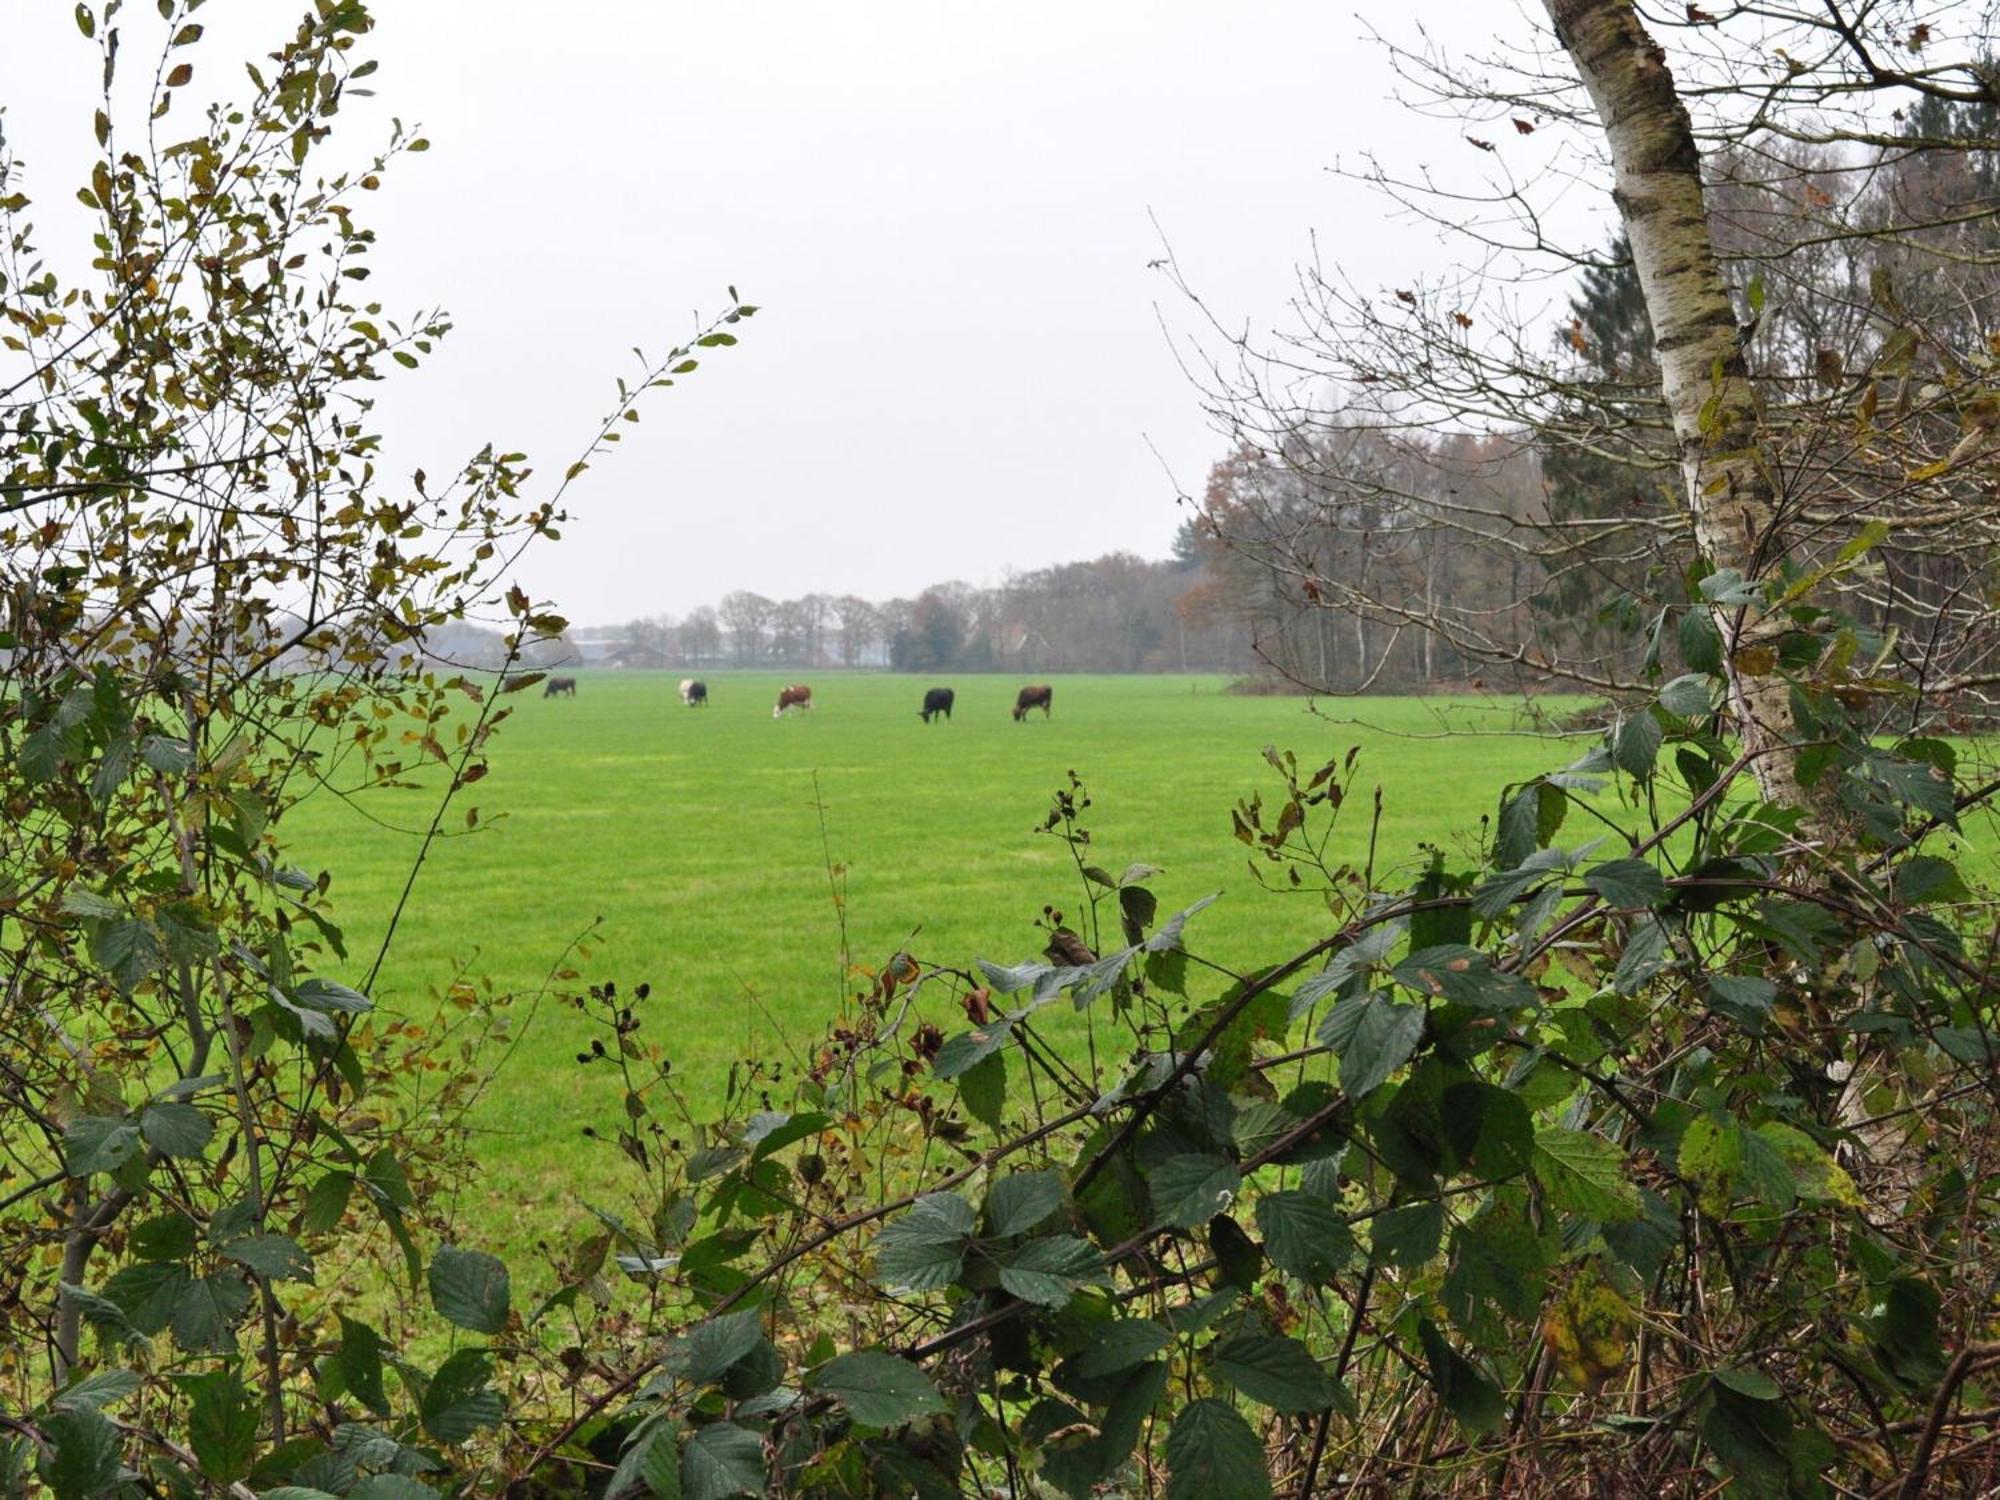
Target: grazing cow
694,692
936,701
1035,695
560,687
798,695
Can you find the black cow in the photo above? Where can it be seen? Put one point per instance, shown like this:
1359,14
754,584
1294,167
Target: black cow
560,687
1035,695
936,701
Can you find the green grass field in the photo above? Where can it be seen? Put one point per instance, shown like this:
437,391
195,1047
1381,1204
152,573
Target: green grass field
696,837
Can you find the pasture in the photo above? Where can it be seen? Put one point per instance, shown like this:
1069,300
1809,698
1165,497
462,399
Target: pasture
700,840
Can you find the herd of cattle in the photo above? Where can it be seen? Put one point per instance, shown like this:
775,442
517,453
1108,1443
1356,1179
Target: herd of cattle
937,701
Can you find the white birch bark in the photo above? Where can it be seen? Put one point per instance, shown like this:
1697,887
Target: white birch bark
1656,167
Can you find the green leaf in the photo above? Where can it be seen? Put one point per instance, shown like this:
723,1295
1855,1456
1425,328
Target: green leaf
706,1352
273,1256
1646,953
387,1181
1498,1271
145,1294
94,1143
168,757
1011,981
1017,1203
1917,785
1237,1256
1752,1435
1701,642
82,1456
877,1388
1049,1271
359,1361
1752,1383
458,1402
79,902
335,999
1078,1467
1168,938
1407,1237
1688,697
721,1460
1627,884
1304,1235
1635,745
1585,1174
651,1460
129,951
469,1289
924,1250
176,1129
1926,879
1520,818
207,1310
1191,1190
1372,1036
100,1389
326,1201
222,1424
112,770
1903,1332
385,1487
983,1090
771,1133
1744,998
1463,1388
1276,1372
1120,1346
1213,1454
1464,976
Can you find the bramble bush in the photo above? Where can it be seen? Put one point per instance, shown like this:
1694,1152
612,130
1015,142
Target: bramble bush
1646,1142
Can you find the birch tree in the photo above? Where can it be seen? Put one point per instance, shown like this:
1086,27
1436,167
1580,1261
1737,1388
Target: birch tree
1726,470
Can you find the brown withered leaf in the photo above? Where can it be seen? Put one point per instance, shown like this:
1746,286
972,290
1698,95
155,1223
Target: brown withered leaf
1066,947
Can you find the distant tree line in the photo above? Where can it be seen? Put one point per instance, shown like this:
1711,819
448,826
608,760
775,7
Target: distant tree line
1117,613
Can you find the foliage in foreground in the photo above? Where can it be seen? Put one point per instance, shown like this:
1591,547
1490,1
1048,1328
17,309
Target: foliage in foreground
1626,1150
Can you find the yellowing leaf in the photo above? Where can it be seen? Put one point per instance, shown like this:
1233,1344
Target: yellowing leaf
1589,1329
1816,1175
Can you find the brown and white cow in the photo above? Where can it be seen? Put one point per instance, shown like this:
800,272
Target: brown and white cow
798,696
1035,695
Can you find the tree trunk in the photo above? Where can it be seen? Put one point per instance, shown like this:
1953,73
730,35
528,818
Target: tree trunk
1656,168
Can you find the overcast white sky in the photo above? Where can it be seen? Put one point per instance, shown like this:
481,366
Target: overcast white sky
945,212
